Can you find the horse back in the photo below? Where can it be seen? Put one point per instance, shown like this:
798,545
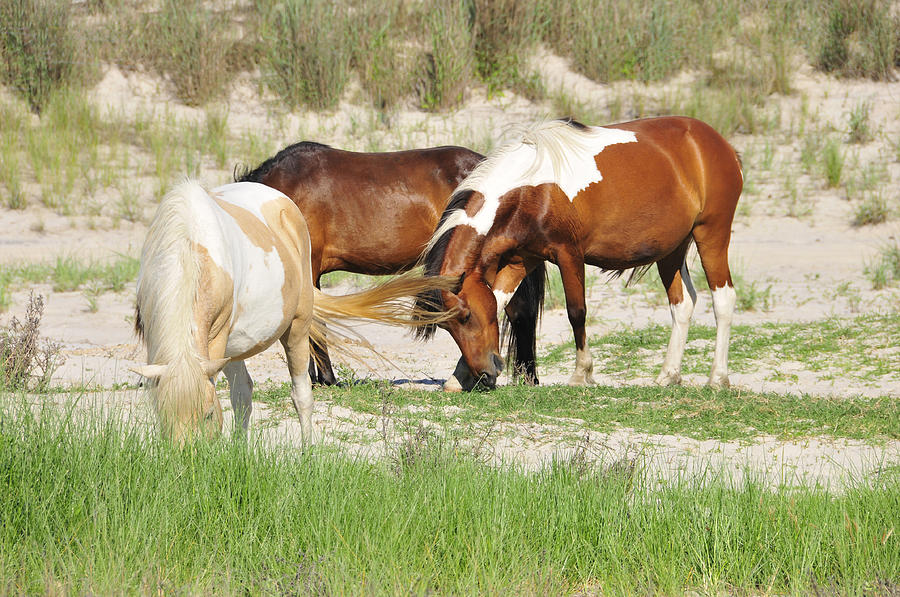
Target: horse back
369,212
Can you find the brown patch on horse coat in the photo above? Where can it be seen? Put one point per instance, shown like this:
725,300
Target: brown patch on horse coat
214,306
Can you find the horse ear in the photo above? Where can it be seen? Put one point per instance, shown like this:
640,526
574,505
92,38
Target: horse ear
150,371
210,368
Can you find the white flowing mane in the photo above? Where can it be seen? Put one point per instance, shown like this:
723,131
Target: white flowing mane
555,151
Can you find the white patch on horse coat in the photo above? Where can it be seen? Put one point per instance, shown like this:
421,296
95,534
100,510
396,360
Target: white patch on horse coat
258,274
554,152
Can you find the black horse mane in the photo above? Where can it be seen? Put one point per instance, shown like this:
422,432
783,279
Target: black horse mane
243,173
431,301
573,123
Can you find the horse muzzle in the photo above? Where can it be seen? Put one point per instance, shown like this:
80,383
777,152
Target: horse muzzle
488,378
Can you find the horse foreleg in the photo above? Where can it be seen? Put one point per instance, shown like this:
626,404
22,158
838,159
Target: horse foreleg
523,311
241,392
682,297
571,269
296,344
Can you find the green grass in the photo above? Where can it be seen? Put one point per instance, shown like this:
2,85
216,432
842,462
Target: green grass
860,349
102,508
696,412
67,274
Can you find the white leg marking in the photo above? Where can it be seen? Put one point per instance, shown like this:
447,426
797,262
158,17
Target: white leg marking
681,321
724,300
302,396
241,392
461,379
584,368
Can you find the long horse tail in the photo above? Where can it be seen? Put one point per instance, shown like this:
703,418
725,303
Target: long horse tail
167,287
389,302
520,333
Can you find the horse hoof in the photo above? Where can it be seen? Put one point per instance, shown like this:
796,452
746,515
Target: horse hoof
719,383
581,380
452,385
668,378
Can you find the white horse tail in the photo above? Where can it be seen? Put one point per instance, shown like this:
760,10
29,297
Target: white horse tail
167,288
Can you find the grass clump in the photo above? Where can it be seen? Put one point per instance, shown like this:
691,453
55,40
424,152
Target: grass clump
36,48
446,67
26,363
859,39
307,51
860,131
872,210
885,270
188,43
833,162
101,507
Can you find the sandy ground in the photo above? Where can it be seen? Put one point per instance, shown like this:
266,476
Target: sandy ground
805,260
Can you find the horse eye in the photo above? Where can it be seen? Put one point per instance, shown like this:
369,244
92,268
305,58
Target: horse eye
465,318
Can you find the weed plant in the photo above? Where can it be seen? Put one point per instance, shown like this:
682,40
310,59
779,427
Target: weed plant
99,507
25,361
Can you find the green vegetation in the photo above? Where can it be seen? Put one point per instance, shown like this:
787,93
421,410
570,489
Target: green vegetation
830,349
885,271
696,412
102,508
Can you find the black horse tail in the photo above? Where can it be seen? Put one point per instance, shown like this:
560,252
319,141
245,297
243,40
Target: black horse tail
520,326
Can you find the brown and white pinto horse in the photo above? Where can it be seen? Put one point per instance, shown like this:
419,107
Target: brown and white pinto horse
618,197
224,274
373,213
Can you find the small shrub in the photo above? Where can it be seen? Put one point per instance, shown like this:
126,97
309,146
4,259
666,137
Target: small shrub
25,362
36,48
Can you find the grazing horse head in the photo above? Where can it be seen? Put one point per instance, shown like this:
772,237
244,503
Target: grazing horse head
618,197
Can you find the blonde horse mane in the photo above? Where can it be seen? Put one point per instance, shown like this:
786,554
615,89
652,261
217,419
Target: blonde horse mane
166,291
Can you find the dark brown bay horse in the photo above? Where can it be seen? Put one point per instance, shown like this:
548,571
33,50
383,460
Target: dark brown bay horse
373,213
618,197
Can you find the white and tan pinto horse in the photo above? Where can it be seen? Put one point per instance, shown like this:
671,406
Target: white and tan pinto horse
224,274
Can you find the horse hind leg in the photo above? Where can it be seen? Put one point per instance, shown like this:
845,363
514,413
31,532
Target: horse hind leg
296,343
682,297
241,392
712,245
